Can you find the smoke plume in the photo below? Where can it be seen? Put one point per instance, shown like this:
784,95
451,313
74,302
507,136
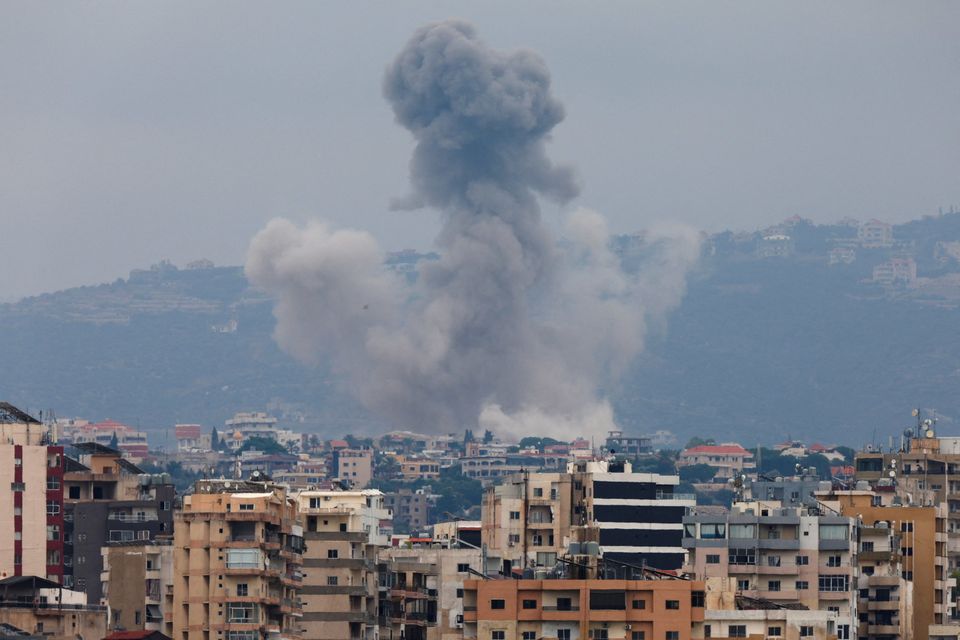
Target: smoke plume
508,329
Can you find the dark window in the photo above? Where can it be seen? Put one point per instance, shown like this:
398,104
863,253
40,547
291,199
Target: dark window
608,600
498,604
529,604
673,604
713,558
673,635
774,631
639,604
697,599
459,593
463,567
737,631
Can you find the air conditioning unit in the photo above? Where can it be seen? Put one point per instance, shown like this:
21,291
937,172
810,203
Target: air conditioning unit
628,627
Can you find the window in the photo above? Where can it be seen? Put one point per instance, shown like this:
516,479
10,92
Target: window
119,535
332,554
834,583
697,599
459,593
803,560
707,631
833,561
673,635
538,492
529,604
806,631
242,612
564,604
773,561
608,600
843,632
600,634
713,531
53,556
673,605
537,540
332,581
514,538
243,590
637,635
18,462
742,556
773,585
743,531
834,532
244,559
563,634
774,632
17,487
74,493
529,635
514,515
246,507
906,527
737,631
498,604
463,567
136,616
743,584
498,634
53,508
53,484
713,558
802,585
53,532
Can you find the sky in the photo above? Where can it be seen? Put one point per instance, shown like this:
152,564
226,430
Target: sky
132,132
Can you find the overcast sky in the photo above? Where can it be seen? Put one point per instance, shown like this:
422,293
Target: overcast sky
135,131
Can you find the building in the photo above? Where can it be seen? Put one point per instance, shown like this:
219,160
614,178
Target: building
896,271
237,563
923,550
729,459
458,533
526,520
411,509
776,245
108,499
31,497
132,443
428,579
342,531
629,446
637,518
885,595
190,437
354,466
243,426
780,554
137,585
875,234
417,468
842,255
43,607
489,469
580,609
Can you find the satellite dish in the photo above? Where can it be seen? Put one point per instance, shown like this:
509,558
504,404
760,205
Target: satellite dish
915,413
930,433
893,474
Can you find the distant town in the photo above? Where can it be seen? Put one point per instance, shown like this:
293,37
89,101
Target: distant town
252,530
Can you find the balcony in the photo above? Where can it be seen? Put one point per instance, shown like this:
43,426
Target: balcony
893,604
778,543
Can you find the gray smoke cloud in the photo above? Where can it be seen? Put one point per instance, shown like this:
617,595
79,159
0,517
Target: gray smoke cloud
509,329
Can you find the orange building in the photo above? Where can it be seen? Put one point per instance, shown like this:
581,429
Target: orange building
578,609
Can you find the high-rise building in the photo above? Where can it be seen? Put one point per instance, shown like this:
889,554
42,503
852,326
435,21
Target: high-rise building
107,499
237,557
342,531
137,585
31,498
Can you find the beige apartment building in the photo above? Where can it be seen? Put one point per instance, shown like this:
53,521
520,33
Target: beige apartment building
354,466
237,562
137,585
342,532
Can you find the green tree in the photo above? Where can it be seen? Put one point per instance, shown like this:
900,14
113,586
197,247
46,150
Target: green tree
697,473
487,436
267,445
468,436
214,440
114,441
697,441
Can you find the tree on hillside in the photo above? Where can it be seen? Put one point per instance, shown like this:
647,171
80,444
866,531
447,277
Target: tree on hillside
266,445
468,436
115,441
697,473
697,441
214,440
487,436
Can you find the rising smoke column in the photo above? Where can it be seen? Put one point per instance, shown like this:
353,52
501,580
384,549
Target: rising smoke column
505,328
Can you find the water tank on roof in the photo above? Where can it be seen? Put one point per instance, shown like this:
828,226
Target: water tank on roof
863,485
591,548
574,548
824,485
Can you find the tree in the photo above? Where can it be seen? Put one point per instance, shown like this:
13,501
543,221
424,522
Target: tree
267,445
697,441
697,473
115,441
214,440
468,436
487,436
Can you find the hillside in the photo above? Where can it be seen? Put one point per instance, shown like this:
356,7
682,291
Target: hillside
771,340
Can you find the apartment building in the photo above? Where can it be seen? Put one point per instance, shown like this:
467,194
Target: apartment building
34,606
922,536
411,509
526,520
434,576
107,499
132,443
581,609
637,518
630,446
137,585
780,554
885,596
729,459
354,466
237,562
342,531
417,468
31,498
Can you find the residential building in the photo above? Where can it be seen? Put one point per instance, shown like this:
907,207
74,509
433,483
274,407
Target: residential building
43,607
411,509
354,466
137,585
131,442
190,437
237,563
730,459
243,426
417,468
31,498
580,609
782,554
776,245
629,446
896,271
428,579
107,499
488,469
885,595
875,234
342,531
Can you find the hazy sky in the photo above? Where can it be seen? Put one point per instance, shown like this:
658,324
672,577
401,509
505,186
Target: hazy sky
135,131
